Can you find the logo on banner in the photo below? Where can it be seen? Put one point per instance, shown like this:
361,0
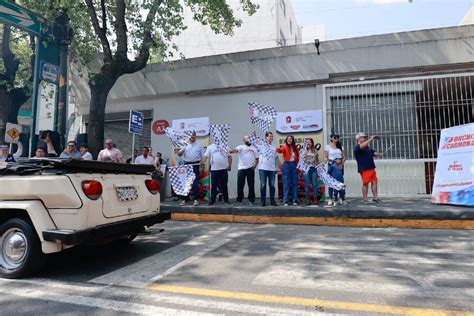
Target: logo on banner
462,141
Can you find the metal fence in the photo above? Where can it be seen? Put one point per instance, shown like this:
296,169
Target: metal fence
408,115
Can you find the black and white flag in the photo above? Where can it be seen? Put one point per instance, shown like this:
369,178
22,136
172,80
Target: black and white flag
261,115
178,139
328,180
220,134
182,178
265,149
302,165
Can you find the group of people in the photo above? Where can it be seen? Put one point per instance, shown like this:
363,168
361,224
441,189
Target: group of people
196,155
249,160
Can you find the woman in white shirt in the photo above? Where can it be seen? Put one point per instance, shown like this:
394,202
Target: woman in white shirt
335,156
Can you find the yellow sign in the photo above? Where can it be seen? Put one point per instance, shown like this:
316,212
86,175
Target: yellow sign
12,134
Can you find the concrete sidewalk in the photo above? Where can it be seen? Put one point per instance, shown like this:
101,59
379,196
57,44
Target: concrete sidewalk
402,213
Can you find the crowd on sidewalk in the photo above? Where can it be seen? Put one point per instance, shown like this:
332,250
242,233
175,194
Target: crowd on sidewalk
249,160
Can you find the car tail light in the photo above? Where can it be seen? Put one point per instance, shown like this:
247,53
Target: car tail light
153,186
92,189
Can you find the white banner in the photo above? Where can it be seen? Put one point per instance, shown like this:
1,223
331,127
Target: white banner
12,133
302,121
199,124
454,176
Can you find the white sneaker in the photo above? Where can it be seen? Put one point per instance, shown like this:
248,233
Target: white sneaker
330,203
182,203
196,203
343,202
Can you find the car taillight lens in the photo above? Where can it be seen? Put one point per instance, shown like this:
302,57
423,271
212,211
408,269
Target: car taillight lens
92,189
153,186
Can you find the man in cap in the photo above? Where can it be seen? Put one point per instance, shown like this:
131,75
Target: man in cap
364,156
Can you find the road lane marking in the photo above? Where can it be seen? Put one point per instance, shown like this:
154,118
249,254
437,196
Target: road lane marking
287,300
107,304
162,298
164,263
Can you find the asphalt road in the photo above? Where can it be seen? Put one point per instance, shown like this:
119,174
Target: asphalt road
234,269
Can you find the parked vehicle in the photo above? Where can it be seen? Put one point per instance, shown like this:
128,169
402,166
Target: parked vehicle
49,205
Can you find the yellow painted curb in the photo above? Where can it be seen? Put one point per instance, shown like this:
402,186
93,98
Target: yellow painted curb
328,221
338,305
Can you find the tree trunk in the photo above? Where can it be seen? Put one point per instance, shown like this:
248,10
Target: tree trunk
8,110
95,126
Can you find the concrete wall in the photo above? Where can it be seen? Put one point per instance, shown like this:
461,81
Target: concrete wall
228,108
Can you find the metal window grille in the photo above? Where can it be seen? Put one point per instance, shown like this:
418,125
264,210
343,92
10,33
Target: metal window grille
408,115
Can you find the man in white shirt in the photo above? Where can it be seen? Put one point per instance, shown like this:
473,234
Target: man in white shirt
144,158
192,154
7,157
110,153
267,172
220,165
248,160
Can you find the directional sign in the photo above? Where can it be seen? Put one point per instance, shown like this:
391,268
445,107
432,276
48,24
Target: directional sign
20,17
135,124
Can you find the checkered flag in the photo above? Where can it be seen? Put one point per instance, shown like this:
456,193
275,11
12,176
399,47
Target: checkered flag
265,149
302,165
328,180
178,139
182,178
220,134
261,115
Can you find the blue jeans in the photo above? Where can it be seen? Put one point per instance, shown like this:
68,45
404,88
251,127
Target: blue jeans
311,178
264,175
337,174
290,177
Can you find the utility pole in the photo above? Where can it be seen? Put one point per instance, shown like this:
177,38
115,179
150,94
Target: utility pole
64,33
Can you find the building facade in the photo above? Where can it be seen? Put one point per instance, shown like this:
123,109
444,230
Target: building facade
273,25
404,87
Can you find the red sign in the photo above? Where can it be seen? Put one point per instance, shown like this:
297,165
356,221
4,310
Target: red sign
159,126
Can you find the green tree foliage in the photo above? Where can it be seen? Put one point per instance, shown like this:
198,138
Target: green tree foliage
125,33
16,63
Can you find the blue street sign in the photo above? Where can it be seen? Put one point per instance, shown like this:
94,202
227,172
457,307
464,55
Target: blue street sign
135,124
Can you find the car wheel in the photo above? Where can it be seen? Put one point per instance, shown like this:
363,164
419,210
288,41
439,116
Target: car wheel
20,249
124,239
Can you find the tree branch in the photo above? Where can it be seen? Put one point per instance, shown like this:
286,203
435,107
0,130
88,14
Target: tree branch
121,29
144,54
10,61
104,16
101,33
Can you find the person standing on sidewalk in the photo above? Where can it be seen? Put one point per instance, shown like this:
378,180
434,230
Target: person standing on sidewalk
193,154
311,159
267,171
110,153
291,157
248,160
145,158
364,156
220,165
335,157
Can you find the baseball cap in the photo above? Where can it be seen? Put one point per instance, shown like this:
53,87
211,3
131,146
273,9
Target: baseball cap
334,135
359,135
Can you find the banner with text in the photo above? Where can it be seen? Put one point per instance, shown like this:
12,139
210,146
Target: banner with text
298,122
454,176
200,125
